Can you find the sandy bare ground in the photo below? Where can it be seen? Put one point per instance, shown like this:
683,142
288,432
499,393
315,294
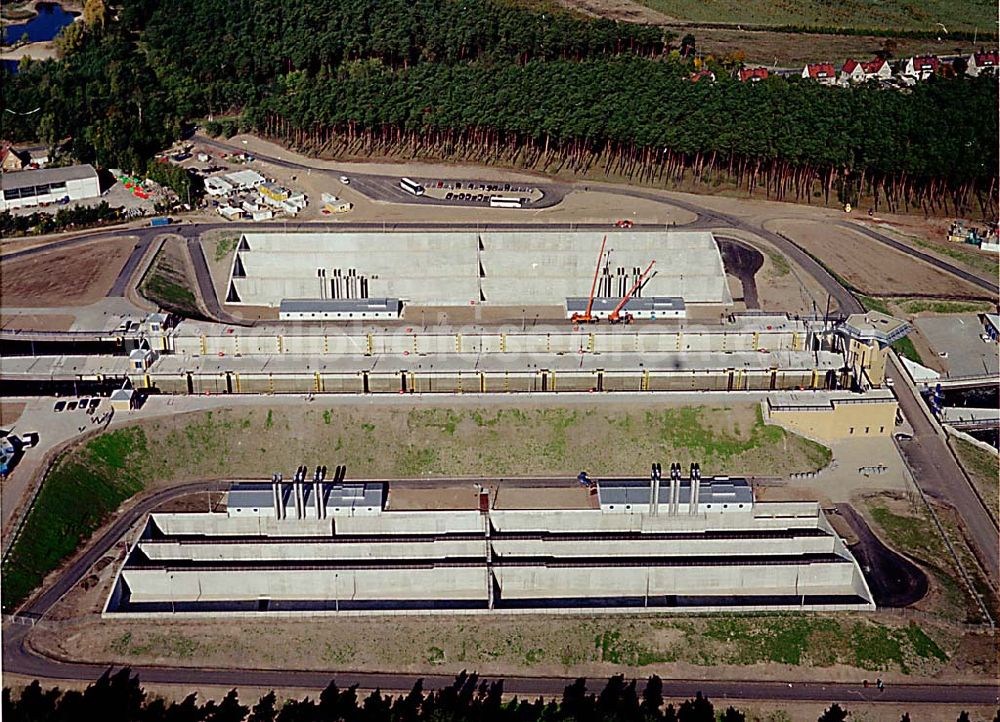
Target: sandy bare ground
622,10
36,322
79,275
35,51
795,49
930,235
10,411
493,645
868,265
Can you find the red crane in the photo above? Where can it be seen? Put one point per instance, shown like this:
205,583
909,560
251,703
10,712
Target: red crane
586,316
616,316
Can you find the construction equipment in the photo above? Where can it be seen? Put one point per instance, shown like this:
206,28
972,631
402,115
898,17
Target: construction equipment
587,316
617,316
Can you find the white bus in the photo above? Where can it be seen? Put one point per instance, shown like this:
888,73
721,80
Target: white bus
411,186
501,202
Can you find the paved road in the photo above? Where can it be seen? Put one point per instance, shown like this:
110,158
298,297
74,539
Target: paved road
954,270
386,187
206,289
121,285
893,579
939,476
20,658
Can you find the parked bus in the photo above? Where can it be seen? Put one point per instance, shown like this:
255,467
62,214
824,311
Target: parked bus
411,186
501,202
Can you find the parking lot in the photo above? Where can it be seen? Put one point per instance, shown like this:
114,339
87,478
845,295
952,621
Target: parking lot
510,195
957,341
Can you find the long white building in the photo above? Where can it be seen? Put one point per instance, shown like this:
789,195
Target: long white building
331,548
440,269
29,188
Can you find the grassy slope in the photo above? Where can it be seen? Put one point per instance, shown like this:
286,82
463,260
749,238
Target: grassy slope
540,644
890,14
167,284
386,443
982,468
912,532
86,485
91,481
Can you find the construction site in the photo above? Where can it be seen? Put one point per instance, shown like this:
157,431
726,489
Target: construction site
467,371
678,543
356,321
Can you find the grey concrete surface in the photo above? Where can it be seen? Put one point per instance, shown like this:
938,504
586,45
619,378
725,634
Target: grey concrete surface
957,335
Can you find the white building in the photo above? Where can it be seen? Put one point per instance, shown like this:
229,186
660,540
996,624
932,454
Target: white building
245,179
674,495
921,67
29,188
982,63
324,547
218,186
316,309
648,308
854,71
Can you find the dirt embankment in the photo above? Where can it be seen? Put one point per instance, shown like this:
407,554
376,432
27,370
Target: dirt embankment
869,266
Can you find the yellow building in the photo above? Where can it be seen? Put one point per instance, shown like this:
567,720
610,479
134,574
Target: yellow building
850,416
273,191
868,337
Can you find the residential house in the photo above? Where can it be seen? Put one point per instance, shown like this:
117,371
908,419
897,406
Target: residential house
12,159
754,75
823,73
983,62
854,71
921,67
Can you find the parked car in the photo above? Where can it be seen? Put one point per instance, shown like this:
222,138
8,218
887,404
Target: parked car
345,180
624,223
60,406
95,402
83,403
71,406
29,440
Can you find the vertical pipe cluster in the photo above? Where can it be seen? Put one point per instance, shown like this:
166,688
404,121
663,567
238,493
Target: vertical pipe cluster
319,497
695,488
278,495
675,487
654,489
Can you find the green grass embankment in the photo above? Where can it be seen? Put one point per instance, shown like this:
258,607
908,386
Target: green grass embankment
83,487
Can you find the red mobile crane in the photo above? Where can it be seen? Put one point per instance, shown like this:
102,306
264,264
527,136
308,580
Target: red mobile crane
586,316
617,316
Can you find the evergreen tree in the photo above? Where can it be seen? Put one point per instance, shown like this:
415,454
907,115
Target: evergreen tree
652,698
834,713
698,709
264,710
733,715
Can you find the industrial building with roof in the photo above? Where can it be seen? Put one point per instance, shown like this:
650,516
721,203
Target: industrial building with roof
30,188
311,546
449,268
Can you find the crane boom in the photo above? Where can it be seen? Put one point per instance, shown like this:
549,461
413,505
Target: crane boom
615,315
586,316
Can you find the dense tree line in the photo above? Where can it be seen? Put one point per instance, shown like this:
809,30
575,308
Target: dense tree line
484,81
223,52
63,219
119,697
645,120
